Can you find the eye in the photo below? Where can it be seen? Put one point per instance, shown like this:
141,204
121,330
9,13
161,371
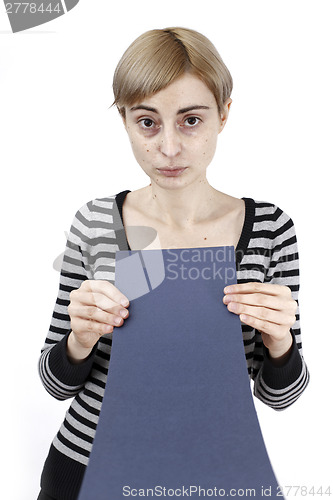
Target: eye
146,123
192,121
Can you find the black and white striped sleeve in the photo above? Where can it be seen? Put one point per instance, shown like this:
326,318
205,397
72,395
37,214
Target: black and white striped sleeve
60,377
281,386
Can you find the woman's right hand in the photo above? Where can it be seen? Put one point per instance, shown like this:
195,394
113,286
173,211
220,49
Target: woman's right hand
94,309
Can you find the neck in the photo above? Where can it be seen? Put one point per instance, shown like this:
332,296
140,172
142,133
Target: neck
184,207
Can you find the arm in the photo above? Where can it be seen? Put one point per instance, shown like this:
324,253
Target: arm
61,378
85,310
271,309
280,384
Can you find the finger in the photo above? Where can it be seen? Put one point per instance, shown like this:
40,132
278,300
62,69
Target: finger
93,313
99,300
278,332
263,313
255,287
285,305
83,326
256,299
106,288
279,317
277,303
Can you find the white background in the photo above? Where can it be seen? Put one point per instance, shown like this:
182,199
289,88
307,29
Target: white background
60,146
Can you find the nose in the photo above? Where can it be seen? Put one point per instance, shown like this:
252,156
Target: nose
169,142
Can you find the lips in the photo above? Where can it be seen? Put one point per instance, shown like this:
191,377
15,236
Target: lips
172,172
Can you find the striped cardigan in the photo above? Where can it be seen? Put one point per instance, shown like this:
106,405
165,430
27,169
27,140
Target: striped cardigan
266,252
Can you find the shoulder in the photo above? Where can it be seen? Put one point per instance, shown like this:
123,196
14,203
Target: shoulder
270,215
96,216
97,208
101,209
270,223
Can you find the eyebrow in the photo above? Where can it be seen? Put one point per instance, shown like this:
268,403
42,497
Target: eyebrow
179,112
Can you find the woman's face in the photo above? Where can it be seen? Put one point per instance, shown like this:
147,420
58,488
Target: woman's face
174,132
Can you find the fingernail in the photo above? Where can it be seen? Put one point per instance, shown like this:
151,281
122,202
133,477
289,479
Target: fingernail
117,321
124,313
227,299
124,302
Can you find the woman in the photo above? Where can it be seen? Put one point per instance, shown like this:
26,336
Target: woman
173,93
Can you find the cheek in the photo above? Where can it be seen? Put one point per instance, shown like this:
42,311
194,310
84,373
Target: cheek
138,146
142,150
204,149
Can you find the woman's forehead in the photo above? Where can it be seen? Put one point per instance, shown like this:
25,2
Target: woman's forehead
187,93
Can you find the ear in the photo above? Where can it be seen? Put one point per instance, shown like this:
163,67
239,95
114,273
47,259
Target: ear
225,113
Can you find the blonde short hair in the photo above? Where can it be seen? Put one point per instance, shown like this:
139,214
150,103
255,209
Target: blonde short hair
158,57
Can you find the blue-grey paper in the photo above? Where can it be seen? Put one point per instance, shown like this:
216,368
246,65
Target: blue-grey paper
178,417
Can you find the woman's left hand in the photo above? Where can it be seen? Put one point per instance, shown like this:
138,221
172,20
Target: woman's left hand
268,308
